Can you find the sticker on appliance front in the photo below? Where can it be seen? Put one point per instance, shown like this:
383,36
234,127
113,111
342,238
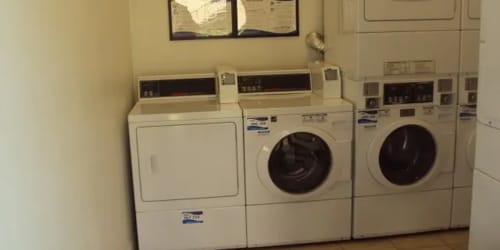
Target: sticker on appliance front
368,118
258,124
409,67
192,217
467,113
308,118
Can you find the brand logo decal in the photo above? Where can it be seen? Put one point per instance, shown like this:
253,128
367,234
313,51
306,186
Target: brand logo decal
192,217
258,124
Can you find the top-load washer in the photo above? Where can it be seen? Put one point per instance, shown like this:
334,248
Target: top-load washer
187,165
404,152
390,47
297,160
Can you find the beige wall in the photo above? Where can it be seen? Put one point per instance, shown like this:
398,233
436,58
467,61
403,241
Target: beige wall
66,84
154,53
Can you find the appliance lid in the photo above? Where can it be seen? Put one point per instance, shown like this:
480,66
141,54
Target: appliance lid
174,86
292,104
192,109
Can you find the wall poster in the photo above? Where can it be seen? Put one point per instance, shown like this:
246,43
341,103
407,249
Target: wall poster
202,19
257,18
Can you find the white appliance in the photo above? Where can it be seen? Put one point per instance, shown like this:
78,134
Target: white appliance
471,14
464,165
227,84
398,15
297,160
187,165
403,161
466,123
385,38
485,218
326,80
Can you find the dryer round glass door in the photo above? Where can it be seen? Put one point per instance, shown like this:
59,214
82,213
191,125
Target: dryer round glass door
299,163
407,155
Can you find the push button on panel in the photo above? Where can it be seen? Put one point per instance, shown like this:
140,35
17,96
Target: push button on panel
372,103
472,97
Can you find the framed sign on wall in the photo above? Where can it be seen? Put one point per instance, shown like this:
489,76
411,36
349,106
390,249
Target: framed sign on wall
263,18
205,19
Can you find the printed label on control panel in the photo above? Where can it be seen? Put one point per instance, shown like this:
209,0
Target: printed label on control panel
467,113
258,124
308,118
192,217
368,118
409,67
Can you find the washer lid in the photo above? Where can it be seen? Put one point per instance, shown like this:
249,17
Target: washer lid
191,109
292,104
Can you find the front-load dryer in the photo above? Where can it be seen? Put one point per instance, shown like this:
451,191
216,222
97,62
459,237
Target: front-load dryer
187,165
368,16
297,161
404,153
471,14
386,38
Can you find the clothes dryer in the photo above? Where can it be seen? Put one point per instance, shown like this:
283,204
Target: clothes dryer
363,16
471,14
187,165
385,38
297,160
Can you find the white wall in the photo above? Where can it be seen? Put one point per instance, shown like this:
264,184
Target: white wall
65,77
154,53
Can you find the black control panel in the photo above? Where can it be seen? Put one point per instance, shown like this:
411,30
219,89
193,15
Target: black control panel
274,83
408,93
177,87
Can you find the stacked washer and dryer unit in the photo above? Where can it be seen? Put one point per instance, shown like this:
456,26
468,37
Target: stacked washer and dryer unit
187,163
466,124
400,64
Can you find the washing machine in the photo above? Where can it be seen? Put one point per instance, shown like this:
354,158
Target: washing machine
297,160
404,154
386,38
464,165
187,165
466,113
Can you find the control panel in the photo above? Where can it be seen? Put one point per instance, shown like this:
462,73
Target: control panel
326,80
408,93
471,85
227,84
265,82
175,86
433,91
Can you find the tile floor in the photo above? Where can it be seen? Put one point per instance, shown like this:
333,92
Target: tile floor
447,240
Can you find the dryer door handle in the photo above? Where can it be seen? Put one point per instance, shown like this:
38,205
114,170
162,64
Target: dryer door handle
153,164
